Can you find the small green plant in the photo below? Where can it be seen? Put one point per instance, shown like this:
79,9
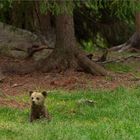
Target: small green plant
88,46
92,46
100,42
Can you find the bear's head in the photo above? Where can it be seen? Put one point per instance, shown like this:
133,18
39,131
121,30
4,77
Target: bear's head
37,98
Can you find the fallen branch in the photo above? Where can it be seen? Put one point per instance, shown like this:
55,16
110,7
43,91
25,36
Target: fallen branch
121,59
32,50
116,48
133,42
16,85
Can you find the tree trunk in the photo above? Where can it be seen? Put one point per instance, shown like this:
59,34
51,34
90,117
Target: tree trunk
134,41
44,26
66,54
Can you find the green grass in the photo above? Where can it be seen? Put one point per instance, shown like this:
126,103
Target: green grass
129,65
115,116
119,67
124,68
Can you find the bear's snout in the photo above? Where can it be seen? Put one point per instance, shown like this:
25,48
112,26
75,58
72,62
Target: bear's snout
33,102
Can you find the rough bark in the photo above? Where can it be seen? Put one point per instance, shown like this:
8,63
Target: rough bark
66,54
44,26
134,41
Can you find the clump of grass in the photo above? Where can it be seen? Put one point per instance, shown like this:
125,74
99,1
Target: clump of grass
119,67
116,115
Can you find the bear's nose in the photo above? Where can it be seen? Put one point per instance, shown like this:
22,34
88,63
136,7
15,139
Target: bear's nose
33,102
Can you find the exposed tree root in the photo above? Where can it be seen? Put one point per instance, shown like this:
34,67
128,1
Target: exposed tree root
73,61
133,42
57,63
90,66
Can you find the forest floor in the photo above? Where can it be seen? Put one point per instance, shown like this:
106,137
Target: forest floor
126,74
112,110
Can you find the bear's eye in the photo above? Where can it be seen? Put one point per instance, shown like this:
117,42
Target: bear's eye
37,98
32,98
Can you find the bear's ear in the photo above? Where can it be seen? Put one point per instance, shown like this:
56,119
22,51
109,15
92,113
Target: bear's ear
44,93
30,93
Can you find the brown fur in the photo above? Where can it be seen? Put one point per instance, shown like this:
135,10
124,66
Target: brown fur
38,111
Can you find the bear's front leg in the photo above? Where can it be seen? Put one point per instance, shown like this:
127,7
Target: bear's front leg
31,119
47,116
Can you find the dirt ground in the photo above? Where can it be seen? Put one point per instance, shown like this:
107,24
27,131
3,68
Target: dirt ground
14,85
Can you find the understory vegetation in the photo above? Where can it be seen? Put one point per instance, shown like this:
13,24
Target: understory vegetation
113,115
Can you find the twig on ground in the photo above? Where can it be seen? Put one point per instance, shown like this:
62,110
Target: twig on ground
16,85
120,59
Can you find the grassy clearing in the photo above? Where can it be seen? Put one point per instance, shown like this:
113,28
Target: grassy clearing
119,67
115,116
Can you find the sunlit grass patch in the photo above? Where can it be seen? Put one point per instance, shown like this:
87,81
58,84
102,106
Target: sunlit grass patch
115,115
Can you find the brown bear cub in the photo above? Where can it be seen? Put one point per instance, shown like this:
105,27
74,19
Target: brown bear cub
38,109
